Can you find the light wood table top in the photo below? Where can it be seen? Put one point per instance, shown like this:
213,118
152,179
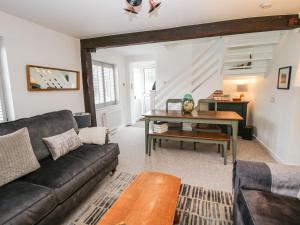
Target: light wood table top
150,199
209,115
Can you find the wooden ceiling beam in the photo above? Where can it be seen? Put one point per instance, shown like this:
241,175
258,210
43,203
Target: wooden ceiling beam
230,27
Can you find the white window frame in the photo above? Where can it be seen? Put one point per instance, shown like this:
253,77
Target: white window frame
2,94
107,65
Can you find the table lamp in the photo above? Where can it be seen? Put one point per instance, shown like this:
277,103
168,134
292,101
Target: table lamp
242,88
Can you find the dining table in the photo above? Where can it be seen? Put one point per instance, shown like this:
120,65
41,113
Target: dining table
227,118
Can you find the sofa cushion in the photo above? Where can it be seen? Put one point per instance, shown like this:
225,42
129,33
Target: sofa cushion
265,208
65,175
25,203
62,144
98,156
16,156
45,125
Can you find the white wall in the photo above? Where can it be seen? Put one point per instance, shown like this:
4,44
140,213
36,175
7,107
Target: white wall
276,112
182,67
109,56
28,43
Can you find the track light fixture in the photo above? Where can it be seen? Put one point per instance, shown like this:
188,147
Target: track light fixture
132,4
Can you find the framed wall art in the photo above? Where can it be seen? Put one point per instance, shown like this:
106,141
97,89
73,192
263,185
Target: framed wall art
41,78
284,78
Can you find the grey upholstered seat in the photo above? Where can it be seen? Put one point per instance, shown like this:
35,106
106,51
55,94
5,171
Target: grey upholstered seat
25,203
97,156
65,175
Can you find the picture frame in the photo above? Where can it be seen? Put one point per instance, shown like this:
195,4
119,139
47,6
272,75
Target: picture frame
284,78
41,78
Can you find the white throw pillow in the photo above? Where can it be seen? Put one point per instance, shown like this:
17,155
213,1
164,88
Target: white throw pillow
93,135
62,144
16,156
298,196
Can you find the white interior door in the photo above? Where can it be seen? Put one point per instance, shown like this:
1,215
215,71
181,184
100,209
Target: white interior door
138,93
149,78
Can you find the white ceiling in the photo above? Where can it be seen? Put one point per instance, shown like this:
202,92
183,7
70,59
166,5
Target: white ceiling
91,18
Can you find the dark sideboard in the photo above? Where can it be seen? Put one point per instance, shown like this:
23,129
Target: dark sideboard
239,107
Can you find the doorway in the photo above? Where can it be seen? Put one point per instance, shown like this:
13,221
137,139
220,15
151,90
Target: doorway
143,77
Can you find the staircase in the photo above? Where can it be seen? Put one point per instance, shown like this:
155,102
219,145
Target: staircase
204,65
237,55
250,54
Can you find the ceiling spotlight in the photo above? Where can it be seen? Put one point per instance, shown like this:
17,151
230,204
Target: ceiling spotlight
132,4
153,5
265,4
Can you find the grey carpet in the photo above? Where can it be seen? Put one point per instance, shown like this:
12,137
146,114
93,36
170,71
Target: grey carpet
196,205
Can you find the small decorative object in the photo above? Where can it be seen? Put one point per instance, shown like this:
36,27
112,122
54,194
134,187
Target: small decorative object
236,99
51,79
188,103
153,5
132,4
83,119
284,78
160,127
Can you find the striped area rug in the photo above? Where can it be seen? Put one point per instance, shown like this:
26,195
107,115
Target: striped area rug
196,205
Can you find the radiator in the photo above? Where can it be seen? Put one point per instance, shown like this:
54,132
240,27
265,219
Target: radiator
110,118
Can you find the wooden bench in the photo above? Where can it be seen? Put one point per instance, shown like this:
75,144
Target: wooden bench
150,200
214,138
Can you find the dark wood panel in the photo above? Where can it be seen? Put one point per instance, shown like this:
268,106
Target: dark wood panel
87,83
239,107
239,26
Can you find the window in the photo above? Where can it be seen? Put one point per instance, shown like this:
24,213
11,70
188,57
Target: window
104,81
3,62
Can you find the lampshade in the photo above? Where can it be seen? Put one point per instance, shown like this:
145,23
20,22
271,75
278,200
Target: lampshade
83,119
297,79
242,88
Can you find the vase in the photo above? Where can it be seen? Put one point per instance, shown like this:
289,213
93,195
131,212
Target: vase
187,104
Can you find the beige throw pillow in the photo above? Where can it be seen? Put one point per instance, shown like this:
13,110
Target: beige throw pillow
16,156
61,144
93,135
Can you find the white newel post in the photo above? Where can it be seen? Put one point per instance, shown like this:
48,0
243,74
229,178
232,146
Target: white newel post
152,99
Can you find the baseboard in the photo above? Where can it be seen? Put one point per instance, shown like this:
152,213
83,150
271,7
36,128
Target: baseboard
273,155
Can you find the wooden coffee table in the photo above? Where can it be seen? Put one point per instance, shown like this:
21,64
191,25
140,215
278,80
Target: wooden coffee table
150,200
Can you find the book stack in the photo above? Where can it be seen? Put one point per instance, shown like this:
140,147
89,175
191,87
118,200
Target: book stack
160,127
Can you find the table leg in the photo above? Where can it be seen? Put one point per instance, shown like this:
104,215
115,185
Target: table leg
147,121
234,139
229,133
225,153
